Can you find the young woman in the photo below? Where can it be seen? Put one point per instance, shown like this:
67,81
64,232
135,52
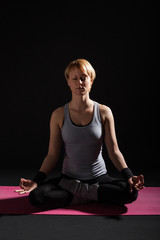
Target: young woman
82,125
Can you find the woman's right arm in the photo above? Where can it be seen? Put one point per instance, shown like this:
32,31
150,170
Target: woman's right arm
54,149
55,142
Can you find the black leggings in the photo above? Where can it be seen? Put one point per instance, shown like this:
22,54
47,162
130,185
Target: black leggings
111,190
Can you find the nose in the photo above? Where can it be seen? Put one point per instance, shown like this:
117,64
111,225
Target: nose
80,81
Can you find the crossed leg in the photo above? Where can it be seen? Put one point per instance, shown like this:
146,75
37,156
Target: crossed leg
53,195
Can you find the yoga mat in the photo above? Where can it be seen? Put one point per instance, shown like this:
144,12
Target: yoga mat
148,203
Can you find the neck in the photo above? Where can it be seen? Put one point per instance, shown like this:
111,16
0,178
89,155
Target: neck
80,102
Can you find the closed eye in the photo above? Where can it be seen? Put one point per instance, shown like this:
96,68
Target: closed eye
82,78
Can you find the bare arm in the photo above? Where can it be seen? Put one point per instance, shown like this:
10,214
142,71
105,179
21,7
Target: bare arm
52,157
115,154
55,142
110,138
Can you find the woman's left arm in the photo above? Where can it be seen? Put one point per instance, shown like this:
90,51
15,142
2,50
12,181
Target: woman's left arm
114,152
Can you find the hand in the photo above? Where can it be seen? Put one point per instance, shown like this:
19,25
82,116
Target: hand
26,185
136,182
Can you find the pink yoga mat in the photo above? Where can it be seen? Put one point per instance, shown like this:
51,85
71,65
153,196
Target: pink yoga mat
148,203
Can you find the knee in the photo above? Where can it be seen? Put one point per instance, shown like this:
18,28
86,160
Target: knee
132,196
34,198
129,196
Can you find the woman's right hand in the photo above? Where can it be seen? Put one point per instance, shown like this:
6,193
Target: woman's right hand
27,186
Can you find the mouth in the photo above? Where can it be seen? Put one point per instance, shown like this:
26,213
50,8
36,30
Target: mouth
80,88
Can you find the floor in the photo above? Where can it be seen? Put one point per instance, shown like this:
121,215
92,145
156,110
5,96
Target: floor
48,227
79,227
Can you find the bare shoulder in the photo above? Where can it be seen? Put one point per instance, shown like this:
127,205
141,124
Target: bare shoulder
58,116
105,112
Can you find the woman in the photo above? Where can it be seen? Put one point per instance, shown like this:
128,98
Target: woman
82,124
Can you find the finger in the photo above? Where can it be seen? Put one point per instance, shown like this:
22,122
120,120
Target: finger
21,183
21,193
23,188
141,182
25,182
131,188
142,179
19,190
142,187
138,188
24,192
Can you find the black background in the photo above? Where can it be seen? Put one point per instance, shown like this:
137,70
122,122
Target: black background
39,40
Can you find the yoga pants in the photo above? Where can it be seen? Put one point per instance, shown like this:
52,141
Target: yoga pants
111,190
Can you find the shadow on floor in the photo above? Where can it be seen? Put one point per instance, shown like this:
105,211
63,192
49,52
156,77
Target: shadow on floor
21,206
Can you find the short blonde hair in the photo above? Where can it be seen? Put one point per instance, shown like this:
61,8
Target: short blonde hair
83,65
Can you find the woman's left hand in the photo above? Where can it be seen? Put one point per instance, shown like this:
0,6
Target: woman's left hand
136,182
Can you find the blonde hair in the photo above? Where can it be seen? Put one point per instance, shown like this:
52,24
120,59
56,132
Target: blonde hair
83,65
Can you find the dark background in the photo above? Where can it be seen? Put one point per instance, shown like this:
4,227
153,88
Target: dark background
39,40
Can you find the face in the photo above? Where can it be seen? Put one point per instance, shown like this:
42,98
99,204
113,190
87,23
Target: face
79,82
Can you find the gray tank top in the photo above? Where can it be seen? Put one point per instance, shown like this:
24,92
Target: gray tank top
83,147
